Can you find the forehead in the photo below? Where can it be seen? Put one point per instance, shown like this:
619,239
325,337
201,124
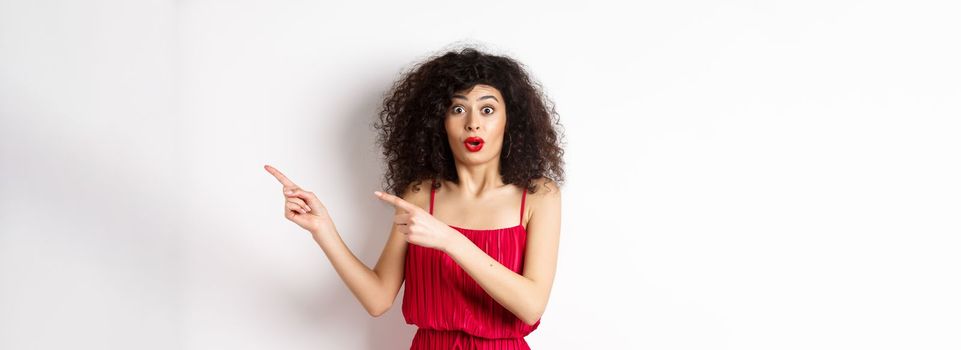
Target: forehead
480,90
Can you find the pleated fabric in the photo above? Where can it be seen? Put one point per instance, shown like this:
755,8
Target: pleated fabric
434,339
449,308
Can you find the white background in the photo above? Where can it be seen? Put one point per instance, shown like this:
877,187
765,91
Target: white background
741,174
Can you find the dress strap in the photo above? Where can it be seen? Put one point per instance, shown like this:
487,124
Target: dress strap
523,198
432,197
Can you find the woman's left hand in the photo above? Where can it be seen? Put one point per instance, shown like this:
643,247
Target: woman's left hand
418,225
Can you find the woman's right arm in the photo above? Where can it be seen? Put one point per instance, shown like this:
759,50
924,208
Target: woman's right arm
375,288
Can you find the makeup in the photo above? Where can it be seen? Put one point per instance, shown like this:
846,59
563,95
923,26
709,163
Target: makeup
474,144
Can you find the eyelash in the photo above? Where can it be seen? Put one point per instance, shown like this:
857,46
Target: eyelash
485,107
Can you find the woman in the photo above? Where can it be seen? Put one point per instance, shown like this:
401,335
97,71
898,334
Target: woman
477,252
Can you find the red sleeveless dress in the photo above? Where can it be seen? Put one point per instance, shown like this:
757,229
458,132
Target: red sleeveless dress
449,308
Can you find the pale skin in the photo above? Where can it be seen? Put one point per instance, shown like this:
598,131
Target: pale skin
481,200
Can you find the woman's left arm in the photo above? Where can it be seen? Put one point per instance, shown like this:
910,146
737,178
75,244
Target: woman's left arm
526,294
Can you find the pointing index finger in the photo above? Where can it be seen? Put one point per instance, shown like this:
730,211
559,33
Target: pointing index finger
280,176
396,201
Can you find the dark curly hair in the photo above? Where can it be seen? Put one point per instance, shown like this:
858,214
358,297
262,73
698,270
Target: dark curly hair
411,122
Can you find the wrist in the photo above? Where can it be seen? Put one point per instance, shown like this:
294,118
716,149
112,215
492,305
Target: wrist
455,244
323,232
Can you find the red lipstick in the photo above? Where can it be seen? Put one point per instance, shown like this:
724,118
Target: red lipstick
474,143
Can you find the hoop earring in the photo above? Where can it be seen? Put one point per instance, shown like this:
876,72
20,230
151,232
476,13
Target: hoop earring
508,146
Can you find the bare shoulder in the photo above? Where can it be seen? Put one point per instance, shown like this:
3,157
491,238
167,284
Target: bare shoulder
418,193
545,199
545,189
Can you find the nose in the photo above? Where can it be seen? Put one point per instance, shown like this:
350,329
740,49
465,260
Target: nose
470,123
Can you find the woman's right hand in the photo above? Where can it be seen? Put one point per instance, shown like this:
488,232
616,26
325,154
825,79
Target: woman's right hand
302,207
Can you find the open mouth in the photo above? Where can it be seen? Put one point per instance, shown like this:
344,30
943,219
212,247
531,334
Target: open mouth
474,143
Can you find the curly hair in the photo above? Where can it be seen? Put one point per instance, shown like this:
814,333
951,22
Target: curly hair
411,121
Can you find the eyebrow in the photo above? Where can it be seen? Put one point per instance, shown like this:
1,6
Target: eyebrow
482,98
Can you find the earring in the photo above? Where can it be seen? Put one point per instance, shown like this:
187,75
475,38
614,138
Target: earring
508,146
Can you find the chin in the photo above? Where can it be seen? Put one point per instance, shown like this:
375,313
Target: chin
477,158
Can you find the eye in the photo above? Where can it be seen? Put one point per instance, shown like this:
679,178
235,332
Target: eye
458,109
488,110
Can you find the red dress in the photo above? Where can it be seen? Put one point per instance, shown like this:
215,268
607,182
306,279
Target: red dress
449,308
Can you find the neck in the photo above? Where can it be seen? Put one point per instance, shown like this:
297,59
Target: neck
476,180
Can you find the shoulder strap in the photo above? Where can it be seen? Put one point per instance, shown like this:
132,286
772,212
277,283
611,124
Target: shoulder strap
523,198
432,197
